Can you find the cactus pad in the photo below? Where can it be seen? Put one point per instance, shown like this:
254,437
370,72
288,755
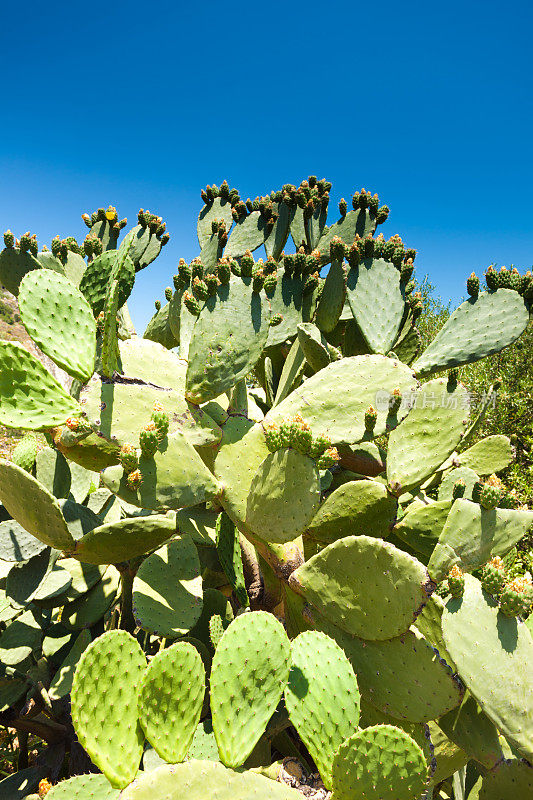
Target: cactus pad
120,541
364,585
167,590
421,527
60,321
84,787
170,700
322,697
509,779
377,302
249,673
110,732
491,454
379,763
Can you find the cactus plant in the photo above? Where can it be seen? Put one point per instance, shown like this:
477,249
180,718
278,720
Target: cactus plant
226,465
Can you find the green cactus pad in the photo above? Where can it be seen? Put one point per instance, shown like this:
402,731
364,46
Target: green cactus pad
197,780
21,637
355,508
84,787
199,523
84,576
167,590
53,472
491,454
141,245
16,544
332,298
91,607
364,585
321,677
473,535
479,327
290,302
393,675
249,673
449,757
470,728
499,670
159,329
218,209
18,785
109,354
408,344
277,238
110,732
314,346
228,338
247,234
120,541
421,527
214,604
204,744
379,763
170,700
25,578
509,779
377,302
354,222
60,321
428,435
31,398
229,553
33,507
284,496
25,452
101,273
175,477
450,479
335,400
14,265
292,372
62,682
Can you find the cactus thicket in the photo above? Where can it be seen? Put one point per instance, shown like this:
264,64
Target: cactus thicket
254,553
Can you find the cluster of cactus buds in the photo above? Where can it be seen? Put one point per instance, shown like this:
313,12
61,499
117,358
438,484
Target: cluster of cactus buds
301,263
129,458
296,433
490,494
516,597
105,215
161,420
456,581
92,245
27,242
508,279
210,193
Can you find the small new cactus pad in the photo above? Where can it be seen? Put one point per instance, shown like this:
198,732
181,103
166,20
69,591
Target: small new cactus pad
249,673
31,398
100,274
25,452
473,535
358,580
493,576
497,671
84,787
229,553
456,581
198,780
428,435
491,454
33,506
322,697
170,700
167,590
379,763
477,328
128,538
109,731
60,321
284,496
517,597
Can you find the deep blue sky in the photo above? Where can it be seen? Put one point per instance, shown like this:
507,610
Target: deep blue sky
142,104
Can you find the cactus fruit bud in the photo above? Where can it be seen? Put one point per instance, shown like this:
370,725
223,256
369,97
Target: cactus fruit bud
319,446
382,214
247,265
191,303
395,401
328,459
224,190
157,305
271,281
472,285
224,271
197,268
258,281
517,597
128,457
456,581
199,289
476,491
134,479
491,278
212,282
493,576
24,242
272,437
410,254
86,218
165,239
504,278
353,257
458,489
311,283
489,496
301,436
407,271
148,440
168,294
184,272
78,425
44,787
343,207
9,239
371,417
161,420
276,319
337,248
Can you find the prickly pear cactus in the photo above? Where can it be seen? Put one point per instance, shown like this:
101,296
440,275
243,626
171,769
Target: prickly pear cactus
255,542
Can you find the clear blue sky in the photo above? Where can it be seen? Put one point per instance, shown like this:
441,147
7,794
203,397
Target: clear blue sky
142,104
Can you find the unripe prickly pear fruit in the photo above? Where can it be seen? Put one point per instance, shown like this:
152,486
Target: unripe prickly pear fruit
9,239
199,288
184,272
197,268
491,278
472,285
456,581
371,417
328,459
343,207
247,265
382,215
224,271
337,249
272,437
504,278
406,271
258,281
191,303
271,282
311,283
302,438
78,425
395,401
134,480
276,319
168,294
157,305
515,280
212,282
489,496
493,576
128,458
300,261
235,267
476,491
161,420
458,489
517,597
525,281
319,446
149,440
285,433
24,242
